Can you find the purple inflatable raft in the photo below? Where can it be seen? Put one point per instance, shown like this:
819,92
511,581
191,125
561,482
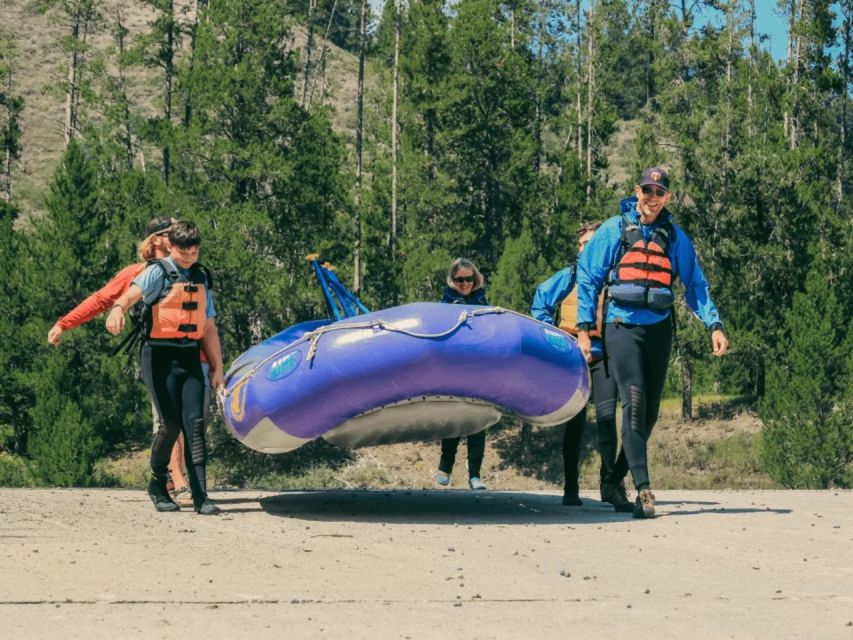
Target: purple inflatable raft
421,371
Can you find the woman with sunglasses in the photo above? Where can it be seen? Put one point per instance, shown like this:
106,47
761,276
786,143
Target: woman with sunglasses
154,247
464,286
638,255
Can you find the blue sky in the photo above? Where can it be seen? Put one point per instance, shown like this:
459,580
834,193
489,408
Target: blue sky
769,22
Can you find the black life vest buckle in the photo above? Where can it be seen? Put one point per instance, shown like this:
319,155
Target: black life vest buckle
187,328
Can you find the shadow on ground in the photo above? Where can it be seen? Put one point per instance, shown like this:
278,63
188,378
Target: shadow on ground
468,508
436,507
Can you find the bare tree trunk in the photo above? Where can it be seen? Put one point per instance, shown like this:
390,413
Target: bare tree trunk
73,64
786,114
309,45
200,6
749,89
686,388
730,19
359,136
7,175
650,81
169,68
590,82
537,133
579,105
7,155
127,134
841,187
796,22
395,98
323,49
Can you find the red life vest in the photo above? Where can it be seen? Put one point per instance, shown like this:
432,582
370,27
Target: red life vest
178,318
643,275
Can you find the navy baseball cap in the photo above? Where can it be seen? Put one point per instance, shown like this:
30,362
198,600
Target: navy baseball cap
655,176
157,225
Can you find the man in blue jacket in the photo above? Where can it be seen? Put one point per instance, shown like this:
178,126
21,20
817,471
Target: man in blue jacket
555,301
638,255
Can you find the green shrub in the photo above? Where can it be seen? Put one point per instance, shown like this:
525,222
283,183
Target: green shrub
64,450
14,471
807,410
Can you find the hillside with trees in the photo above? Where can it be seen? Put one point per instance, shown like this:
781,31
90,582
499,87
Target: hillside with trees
393,143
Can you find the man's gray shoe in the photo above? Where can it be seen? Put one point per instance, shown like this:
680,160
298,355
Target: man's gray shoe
644,506
207,508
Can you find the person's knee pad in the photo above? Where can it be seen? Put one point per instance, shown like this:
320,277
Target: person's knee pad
605,410
199,447
161,436
638,411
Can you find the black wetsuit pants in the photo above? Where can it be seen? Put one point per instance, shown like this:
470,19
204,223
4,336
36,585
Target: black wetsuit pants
476,449
604,394
638,357
175,382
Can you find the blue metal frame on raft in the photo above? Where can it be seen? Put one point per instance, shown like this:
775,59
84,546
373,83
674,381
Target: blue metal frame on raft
341,302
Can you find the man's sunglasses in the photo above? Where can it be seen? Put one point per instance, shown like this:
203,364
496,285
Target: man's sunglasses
461,279
647,191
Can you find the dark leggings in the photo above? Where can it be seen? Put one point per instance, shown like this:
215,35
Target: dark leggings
476,448
638,357
604,393
175,382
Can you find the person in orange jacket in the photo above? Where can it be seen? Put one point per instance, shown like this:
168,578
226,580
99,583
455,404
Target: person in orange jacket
153,247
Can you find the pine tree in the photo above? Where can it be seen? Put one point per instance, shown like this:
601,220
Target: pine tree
15,396
268,188
808,432
519,271
11,106
63,445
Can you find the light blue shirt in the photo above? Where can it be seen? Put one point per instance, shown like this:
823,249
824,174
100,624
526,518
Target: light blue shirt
155,285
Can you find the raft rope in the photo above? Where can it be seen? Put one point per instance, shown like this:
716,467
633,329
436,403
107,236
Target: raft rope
313,337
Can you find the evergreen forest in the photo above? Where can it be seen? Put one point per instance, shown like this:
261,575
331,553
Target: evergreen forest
393,141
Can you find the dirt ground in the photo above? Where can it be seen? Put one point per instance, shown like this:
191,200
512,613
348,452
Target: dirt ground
94,564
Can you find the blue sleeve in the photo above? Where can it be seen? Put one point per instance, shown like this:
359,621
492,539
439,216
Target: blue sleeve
209,310
551,293
696,290
152,281
593,264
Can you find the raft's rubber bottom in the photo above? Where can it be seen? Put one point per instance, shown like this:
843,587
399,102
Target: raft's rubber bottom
426,418
421,419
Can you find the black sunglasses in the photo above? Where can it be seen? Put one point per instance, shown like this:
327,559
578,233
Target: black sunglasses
461,279
647,191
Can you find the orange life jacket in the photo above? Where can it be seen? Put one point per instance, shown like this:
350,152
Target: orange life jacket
643,276
179,316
